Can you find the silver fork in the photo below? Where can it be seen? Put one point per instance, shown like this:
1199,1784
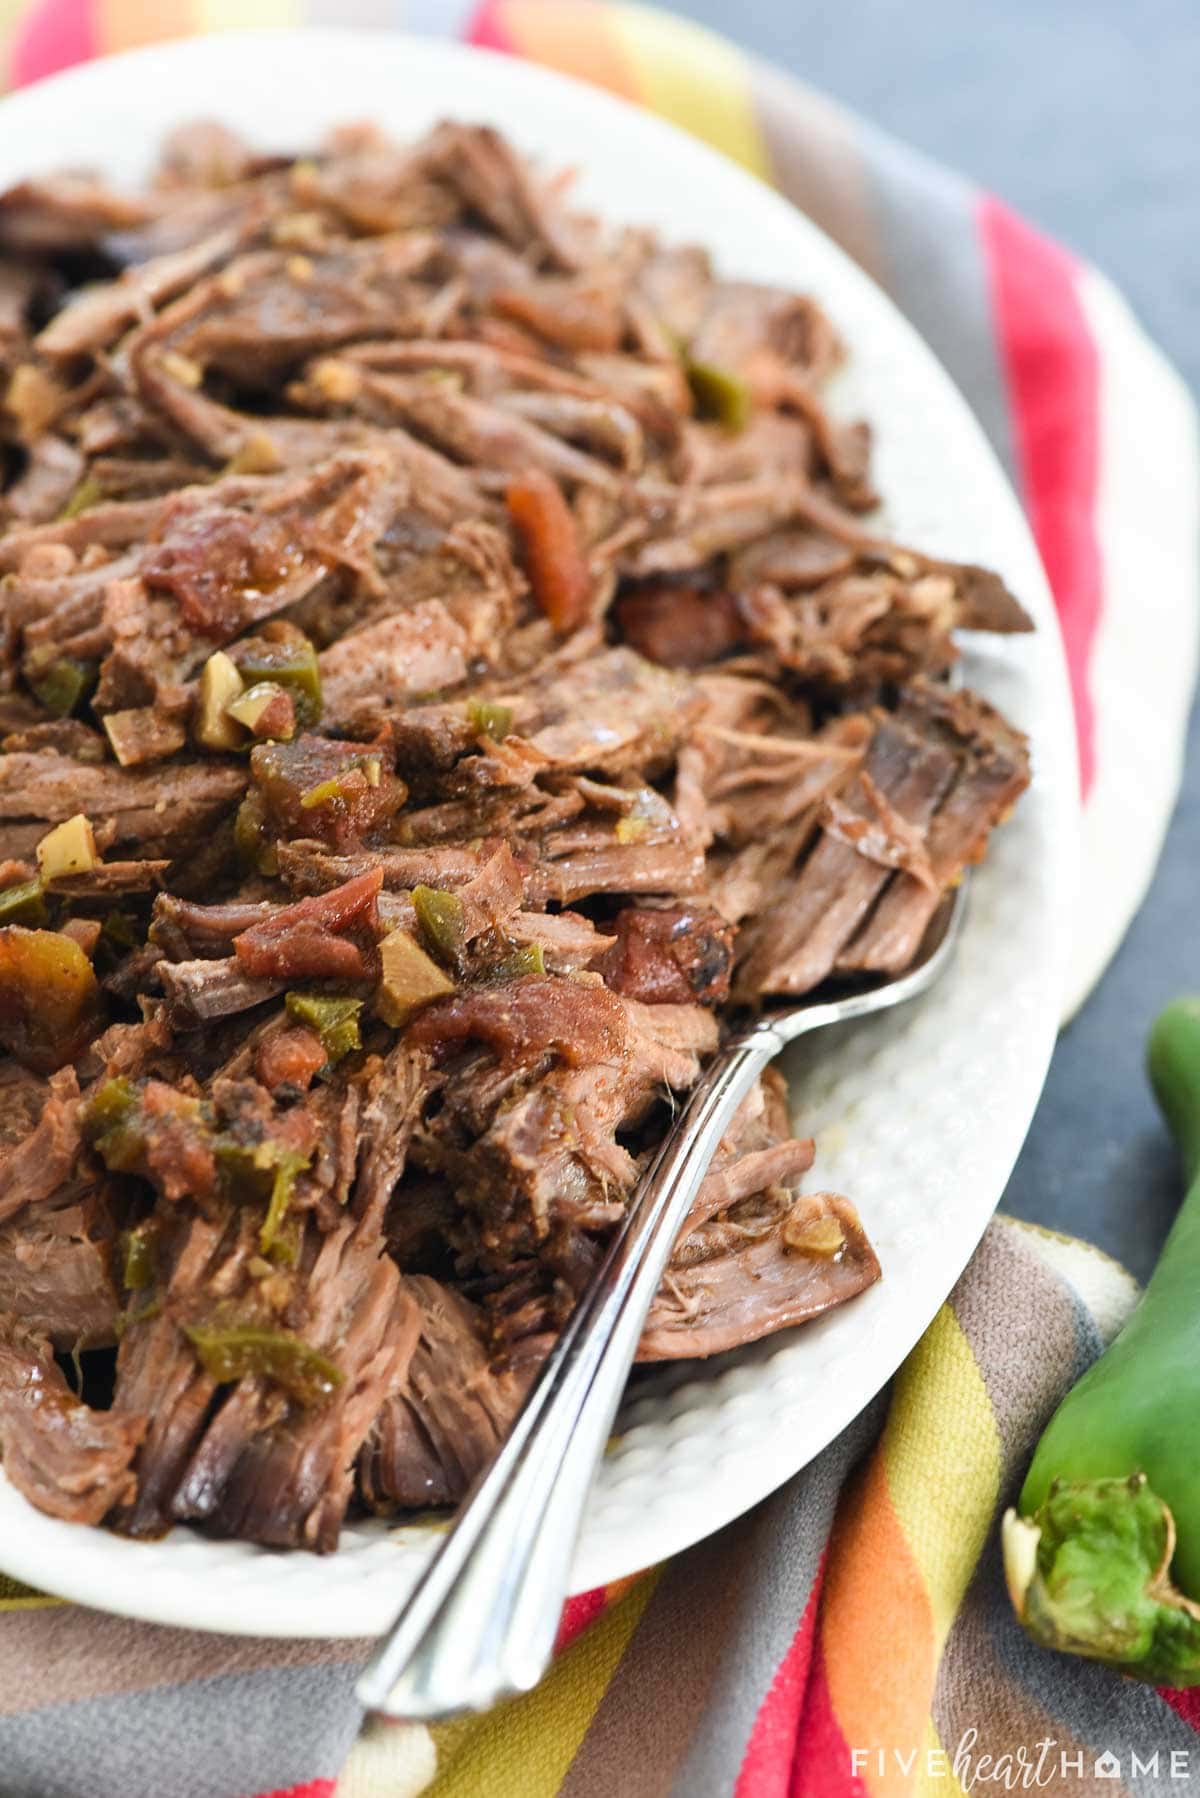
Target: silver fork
480,1623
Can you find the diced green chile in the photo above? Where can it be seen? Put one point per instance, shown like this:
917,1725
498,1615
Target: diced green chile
527,959
88,493
291,665
24,904
489,719
138,1267
62,685
230,1352
256,851
112,1126
334,790
254,1173
120,929
720,394
1103,1551
334,1020
271,1237
442,919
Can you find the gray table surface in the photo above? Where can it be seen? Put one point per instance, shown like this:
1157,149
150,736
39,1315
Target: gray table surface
1083,114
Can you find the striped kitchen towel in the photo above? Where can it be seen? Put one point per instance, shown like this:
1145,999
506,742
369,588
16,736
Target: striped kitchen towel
850,1636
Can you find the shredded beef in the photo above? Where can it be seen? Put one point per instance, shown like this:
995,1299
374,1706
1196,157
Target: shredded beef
60,1454
447,681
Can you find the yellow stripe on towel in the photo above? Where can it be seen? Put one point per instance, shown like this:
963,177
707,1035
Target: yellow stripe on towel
523,1749
695,79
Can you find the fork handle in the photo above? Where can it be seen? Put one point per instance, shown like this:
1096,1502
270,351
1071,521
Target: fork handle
480,1624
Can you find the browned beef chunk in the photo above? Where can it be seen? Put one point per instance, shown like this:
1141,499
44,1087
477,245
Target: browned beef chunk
754,1257
198,991
671,956
270,309
59,1267
109,880
338,793
64,212
993,771
613,712
792,560
625,839
39,1135
760,1274
568,941
536,1161
371,671
682,627
51,475
796,944
65,1458
162,813
446,1417
185,928
492,179
308,867
97,316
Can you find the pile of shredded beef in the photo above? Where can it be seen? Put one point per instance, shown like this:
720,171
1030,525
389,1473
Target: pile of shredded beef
446,677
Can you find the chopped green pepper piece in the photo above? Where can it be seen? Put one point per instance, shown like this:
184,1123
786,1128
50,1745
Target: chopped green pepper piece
24,904
138,1271
720,394
287,1166
231,1352
442,919
62,683
88,493
108,1124
324,793
291,664
120,929
334,1020
251,1172
489,719
528,959
327,792
256,852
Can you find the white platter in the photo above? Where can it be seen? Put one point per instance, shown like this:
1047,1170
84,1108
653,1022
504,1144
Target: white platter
918,1117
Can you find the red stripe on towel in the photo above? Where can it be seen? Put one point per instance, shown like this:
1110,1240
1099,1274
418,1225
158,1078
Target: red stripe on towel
1051,367
488,30
825,1765
55,35
766,1769
313,1788
577,1613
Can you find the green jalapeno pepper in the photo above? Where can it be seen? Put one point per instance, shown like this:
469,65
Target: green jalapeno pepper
1102,1553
